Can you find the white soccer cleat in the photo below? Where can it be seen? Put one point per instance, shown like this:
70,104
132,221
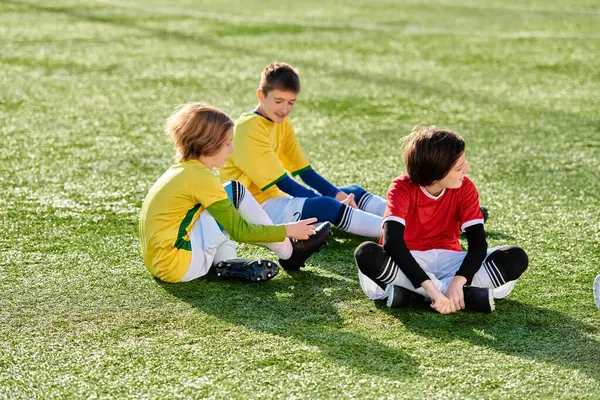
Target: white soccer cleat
597,291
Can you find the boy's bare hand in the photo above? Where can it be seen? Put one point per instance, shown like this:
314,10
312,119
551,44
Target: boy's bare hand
300,230
346,199
443,305
439,302
455,292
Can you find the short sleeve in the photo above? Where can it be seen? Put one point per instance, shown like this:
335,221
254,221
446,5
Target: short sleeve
398,201
206,188
469,212
255,156
292,156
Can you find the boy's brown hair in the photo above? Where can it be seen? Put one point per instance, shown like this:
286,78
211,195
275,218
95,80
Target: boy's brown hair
429,154
198,129
280,76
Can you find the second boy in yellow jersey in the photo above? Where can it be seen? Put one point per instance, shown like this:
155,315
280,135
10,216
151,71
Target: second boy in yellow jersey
267,150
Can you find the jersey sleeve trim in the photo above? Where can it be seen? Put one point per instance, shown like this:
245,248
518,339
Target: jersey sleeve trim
301,170
393,218
274,182
471,223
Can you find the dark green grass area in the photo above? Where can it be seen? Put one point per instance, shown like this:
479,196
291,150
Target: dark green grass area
85,88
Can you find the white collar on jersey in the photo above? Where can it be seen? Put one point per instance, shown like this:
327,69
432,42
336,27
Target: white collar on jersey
439,196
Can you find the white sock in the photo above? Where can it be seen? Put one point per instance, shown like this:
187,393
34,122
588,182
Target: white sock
393,275
226,251
252,212
372,204
487,275
360,223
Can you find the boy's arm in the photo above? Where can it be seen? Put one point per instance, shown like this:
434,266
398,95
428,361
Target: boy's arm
471,220
476,252
240,230
394,220
395,246
317,182
293,188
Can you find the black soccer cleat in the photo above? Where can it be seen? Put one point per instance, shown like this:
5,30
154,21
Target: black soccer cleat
302,249
479,299
400,297
253,271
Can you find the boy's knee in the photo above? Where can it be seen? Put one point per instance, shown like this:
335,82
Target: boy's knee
511,260
328,201
354,189
323,208
368,257
236,191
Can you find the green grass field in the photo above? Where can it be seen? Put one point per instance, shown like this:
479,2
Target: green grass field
84,90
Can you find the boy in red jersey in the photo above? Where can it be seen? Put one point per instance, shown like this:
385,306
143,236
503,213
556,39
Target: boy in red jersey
419,255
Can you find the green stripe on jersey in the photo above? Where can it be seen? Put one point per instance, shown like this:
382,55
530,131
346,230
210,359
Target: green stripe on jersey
274,182
182,242
301,170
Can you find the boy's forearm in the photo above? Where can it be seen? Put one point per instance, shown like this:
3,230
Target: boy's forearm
431,289
395,246
293,188
476,252
240,230
317,182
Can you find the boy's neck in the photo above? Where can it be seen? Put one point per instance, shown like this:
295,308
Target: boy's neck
206,161
258,110
435,190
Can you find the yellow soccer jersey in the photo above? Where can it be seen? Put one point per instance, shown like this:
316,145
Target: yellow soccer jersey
263,153
169,211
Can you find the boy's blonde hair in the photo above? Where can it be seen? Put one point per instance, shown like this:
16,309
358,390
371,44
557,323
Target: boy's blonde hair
198,129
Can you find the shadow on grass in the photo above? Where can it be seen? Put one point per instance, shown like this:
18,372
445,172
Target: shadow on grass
299,308
515,329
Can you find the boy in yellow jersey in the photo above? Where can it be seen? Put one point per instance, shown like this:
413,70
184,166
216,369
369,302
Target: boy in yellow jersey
189,216
267,150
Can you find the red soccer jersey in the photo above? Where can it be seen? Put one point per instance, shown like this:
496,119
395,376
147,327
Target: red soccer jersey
432,222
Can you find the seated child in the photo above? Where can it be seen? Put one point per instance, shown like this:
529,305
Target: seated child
420,256
266,149
189,218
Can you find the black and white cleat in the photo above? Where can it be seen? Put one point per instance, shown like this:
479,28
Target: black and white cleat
303,249
253,271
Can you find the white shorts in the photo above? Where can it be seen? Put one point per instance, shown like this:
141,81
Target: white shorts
282,210
441,266
208,241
